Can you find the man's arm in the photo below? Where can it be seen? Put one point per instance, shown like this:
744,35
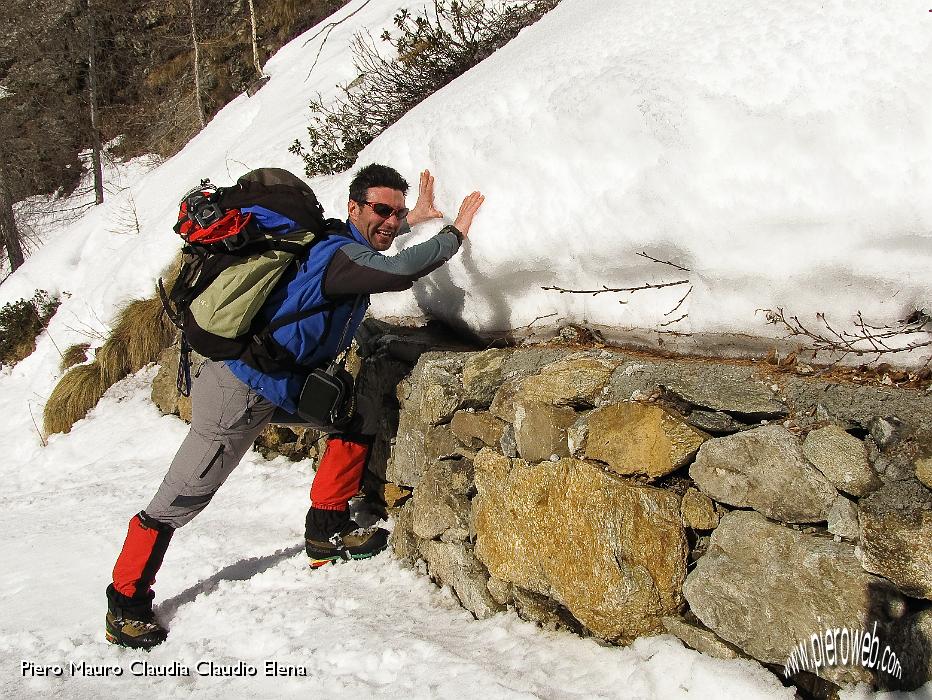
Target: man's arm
357,269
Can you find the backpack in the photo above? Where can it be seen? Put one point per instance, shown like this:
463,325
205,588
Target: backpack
239,242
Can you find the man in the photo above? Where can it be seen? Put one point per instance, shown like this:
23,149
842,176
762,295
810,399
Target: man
315,313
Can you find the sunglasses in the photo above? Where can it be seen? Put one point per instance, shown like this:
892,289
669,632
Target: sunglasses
386,211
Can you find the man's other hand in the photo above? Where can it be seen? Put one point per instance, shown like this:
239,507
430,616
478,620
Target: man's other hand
467,211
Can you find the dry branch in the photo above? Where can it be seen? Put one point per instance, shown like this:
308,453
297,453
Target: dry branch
605,289
663,262
679,304
864,339
646,285
675,320
328,28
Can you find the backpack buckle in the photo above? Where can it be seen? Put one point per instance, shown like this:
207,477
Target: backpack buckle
203,211
235,242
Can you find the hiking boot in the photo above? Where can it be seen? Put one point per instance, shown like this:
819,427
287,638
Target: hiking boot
356,543
331,536
130,621
135,634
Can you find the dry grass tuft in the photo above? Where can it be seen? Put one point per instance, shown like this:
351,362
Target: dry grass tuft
141,333
74,355
75,394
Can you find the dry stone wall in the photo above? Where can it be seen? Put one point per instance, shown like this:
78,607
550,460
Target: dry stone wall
741,508
737,506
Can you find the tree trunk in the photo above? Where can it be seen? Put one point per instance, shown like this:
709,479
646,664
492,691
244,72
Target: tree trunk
92,98
197,66
255,43
10,234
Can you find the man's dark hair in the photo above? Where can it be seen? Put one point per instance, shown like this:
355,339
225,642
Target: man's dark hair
375,175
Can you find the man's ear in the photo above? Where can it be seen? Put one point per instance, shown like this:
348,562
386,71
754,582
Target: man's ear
352,208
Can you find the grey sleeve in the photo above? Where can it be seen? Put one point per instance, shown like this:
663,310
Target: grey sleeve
357,269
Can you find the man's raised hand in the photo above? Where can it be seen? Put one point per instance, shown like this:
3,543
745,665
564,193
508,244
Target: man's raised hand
424,208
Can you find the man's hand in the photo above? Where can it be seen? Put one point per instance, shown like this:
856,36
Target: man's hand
424,209
467,211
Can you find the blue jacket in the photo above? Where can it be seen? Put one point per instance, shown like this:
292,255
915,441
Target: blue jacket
323,288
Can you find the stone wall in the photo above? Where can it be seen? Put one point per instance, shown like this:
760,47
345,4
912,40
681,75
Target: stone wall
737,506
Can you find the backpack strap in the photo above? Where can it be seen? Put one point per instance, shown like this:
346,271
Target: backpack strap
266,354
167,308
300,316
349,319
183,380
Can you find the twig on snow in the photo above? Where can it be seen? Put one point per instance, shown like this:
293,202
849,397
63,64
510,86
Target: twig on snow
605,289
663,262
329,28
680,303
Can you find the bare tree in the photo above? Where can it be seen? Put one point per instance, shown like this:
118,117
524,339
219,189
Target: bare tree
9,233
255,43
93,99
11,240
197,65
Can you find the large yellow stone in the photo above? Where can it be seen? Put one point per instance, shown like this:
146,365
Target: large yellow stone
612,552
635,438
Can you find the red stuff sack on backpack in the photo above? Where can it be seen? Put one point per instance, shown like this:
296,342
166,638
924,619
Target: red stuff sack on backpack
202,220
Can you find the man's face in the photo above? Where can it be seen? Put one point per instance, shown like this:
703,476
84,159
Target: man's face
379,231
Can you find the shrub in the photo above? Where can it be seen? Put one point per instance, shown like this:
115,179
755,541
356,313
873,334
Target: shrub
433,48
20,324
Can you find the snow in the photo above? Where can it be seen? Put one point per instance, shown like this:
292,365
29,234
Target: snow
781,152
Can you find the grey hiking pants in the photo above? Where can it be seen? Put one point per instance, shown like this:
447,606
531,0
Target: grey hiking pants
227,417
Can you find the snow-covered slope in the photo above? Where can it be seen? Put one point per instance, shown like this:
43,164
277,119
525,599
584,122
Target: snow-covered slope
779,151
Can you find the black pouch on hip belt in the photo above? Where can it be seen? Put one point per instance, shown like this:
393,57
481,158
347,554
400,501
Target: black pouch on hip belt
329,395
